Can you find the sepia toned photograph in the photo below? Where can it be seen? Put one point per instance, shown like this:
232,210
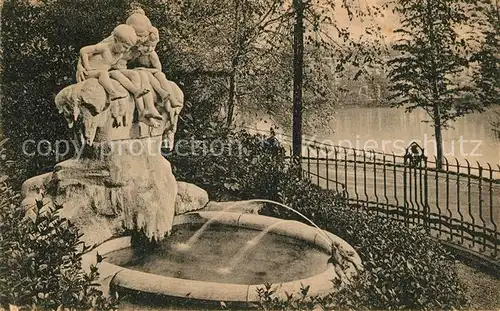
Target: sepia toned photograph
249,155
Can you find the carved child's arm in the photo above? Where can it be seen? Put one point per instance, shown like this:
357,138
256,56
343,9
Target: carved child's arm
90,50
80,71
155,60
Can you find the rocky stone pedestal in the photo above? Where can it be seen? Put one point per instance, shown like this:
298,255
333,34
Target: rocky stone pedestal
131,188
127,191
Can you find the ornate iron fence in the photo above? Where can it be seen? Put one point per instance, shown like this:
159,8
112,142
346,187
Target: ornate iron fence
459,204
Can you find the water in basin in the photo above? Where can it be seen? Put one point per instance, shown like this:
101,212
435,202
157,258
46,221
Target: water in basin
275,258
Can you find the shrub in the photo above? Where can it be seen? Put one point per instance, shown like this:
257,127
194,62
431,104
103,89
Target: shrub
40,261
404,268
230,165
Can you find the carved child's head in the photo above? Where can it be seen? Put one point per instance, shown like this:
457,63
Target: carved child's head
150,44
141,23
125,38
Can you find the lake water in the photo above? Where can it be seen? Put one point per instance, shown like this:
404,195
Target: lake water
392,130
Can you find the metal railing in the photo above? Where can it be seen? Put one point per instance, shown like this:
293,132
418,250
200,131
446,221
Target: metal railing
459,203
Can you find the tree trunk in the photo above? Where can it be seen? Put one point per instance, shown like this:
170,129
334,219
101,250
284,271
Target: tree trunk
232,94
298,63
435,89
231,101
438,136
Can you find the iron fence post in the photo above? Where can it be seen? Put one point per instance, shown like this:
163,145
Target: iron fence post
336,169
447,178
469,202
317,164
480,190
356,178
426,194
308,163
405,199
327,169
493,222
458,202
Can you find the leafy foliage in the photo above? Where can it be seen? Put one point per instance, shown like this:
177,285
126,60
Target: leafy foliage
404,267
269,301
487,71
40,261
487,75
230,164
3,160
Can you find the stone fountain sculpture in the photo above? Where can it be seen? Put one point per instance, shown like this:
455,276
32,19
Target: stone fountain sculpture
123,111
121,117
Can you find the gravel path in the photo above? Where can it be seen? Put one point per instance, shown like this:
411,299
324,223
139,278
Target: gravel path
483,290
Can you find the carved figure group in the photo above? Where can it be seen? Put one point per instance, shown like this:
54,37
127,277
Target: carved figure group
128,56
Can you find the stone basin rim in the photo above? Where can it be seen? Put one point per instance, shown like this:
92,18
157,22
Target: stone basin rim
137,281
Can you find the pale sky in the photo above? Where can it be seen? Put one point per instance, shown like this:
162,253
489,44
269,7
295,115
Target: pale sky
387,23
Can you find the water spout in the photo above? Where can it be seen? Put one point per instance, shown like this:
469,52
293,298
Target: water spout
195,237
320,231
248,246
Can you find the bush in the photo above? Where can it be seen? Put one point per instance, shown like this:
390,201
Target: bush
404,268
40,261
230,165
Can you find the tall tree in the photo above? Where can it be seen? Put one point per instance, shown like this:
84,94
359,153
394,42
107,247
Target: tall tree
429,71
242,35
298,75
250,44
319,22
255,22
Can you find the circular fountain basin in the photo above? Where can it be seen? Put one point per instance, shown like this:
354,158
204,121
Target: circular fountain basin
214,268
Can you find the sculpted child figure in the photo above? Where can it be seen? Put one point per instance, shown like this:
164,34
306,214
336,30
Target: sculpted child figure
140,24
130,79
96,60
151,62
136,83
142,78
153,75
